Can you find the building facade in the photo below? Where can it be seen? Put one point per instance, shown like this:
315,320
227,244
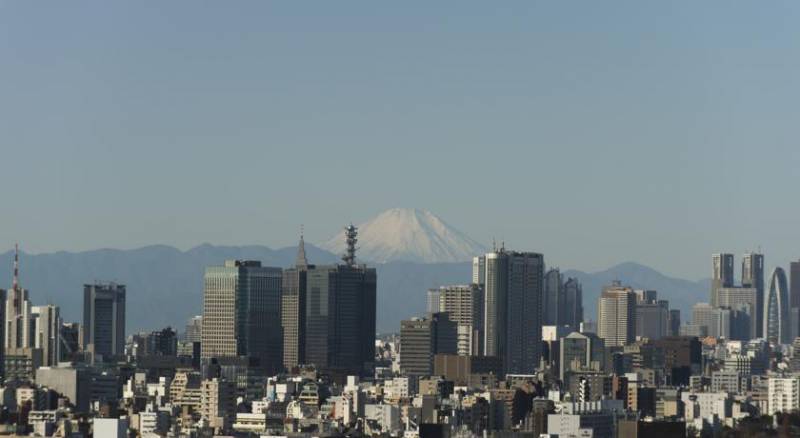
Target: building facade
104,319
513,308
241,312
616,315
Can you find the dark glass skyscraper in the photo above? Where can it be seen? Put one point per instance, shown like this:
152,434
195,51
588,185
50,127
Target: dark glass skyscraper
340,307
513,298
104,319
340,318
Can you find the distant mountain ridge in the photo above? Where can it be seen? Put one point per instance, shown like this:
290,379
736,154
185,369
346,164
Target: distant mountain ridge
165,285
409,235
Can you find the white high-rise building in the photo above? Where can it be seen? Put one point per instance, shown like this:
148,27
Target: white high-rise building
783,394
616,315
47,326
17,313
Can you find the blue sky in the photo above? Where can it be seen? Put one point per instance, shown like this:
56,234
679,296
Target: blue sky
594,132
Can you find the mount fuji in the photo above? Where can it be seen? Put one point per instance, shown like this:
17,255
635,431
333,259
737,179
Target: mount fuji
409,235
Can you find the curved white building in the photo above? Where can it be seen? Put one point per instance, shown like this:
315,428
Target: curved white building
776,309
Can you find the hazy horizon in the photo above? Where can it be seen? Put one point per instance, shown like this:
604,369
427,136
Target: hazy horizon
595,133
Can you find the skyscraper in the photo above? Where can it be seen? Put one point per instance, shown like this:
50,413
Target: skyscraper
340,314
2,333
423,338
776,309
513,302
293,309
104,319
616,315
47,329
18,312
553,298
194,329
652,316
722,274
479,270
744,300
753,276
794,294
464,306
241,312
572,310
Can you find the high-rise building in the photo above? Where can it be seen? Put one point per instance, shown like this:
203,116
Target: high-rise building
2,333
104,319
652,315
423,338
674,322
776,309
742,299
794,296
553,298
753,277
18,312
616,315
194,329
293,309
241,312
479,270
722,274
794,284
580,352
432,306
703,316
47,330
464,306
572,310
340,315
513,308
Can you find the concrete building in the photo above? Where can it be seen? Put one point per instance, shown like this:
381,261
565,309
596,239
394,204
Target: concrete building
784,394
652,317
616,315
241,312
464,306
110,427
218,403
592,419
104,319
513,308
743,299
423,338
47,329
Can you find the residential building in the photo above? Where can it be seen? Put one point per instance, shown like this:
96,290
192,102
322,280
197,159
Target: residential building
464,306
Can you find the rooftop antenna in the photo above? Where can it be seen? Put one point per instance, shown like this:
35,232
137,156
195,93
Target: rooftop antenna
351,238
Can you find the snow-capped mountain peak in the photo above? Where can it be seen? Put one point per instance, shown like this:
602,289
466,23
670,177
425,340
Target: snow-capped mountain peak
409,234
